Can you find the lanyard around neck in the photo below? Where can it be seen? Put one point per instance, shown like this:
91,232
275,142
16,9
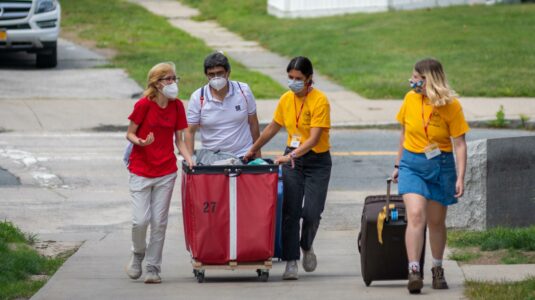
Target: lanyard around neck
298,115
426,124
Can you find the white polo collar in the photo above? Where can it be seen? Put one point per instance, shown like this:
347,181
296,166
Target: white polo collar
230,93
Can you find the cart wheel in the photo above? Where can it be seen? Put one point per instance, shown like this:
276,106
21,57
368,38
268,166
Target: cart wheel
200,276
195,272
263,275
368,282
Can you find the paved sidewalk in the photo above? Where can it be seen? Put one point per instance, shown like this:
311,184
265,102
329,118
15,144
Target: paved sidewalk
498,273
96,271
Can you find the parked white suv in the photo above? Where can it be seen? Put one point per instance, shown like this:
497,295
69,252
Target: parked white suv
32,26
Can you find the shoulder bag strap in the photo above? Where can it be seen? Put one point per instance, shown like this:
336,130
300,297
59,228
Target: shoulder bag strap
244,97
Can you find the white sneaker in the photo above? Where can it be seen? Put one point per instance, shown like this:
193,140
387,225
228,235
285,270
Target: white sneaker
309,260
152,276
133,268
291,271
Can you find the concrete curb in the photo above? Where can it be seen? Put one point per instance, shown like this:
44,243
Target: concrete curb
498,273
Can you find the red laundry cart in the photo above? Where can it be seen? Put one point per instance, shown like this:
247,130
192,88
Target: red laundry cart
229,217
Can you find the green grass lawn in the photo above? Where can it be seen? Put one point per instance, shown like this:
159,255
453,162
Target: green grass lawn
524,290
485,50
18,261
517,245
142,39
495,238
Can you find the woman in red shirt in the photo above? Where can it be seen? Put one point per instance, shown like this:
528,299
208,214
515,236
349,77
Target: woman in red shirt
158,119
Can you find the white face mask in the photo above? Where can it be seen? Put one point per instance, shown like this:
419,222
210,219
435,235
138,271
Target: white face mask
296,85
218,83
170,91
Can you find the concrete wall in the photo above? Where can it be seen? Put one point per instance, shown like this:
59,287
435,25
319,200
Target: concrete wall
511,182
471,211
499,185
317,8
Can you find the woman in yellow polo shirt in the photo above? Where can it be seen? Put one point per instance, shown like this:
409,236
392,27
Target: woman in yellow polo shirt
305,113
432,127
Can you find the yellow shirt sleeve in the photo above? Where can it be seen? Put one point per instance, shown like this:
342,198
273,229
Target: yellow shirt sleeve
321,115
401,114
456,121
278,116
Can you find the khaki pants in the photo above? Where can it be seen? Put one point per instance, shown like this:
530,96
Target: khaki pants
151,198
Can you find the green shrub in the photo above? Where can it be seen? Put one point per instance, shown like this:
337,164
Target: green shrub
524,120
500,121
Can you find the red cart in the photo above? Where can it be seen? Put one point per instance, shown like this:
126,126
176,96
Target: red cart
229,217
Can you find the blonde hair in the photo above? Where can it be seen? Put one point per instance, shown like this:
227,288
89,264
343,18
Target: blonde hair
437,88
156,73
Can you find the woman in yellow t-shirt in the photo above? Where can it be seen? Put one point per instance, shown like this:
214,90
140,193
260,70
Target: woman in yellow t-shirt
432,127
305,113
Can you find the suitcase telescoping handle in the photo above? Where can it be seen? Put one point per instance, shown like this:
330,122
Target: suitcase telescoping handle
388,183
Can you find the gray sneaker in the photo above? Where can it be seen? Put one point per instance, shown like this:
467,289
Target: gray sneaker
133,268
291,271
309,260
152,275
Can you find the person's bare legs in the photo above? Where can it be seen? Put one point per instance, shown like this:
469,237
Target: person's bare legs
436,222
415,206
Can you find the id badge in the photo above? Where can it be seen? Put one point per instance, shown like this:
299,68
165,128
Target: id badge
432,150
296,141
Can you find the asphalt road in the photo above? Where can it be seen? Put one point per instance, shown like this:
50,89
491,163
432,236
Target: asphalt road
70,56
362,159
367,169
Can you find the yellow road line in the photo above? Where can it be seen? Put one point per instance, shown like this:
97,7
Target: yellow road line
346,153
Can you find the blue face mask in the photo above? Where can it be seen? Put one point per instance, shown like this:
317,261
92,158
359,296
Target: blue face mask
296,85
416,85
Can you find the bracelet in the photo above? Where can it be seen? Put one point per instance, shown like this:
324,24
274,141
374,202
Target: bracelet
292,157
396,166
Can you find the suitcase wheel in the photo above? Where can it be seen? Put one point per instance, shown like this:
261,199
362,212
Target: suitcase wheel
199,274
367,282
359,241
263,275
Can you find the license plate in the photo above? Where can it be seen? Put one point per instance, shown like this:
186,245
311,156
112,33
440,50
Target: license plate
3,35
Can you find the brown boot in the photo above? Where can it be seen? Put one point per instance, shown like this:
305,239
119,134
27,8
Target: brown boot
415,282
439,282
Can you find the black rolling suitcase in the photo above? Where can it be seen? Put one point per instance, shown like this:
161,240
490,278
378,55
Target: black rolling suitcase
386,261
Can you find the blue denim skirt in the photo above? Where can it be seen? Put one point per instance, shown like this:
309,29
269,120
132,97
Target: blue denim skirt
433,178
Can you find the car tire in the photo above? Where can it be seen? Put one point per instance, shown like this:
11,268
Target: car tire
48,56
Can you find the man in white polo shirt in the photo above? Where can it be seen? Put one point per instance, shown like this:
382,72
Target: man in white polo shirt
223,110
